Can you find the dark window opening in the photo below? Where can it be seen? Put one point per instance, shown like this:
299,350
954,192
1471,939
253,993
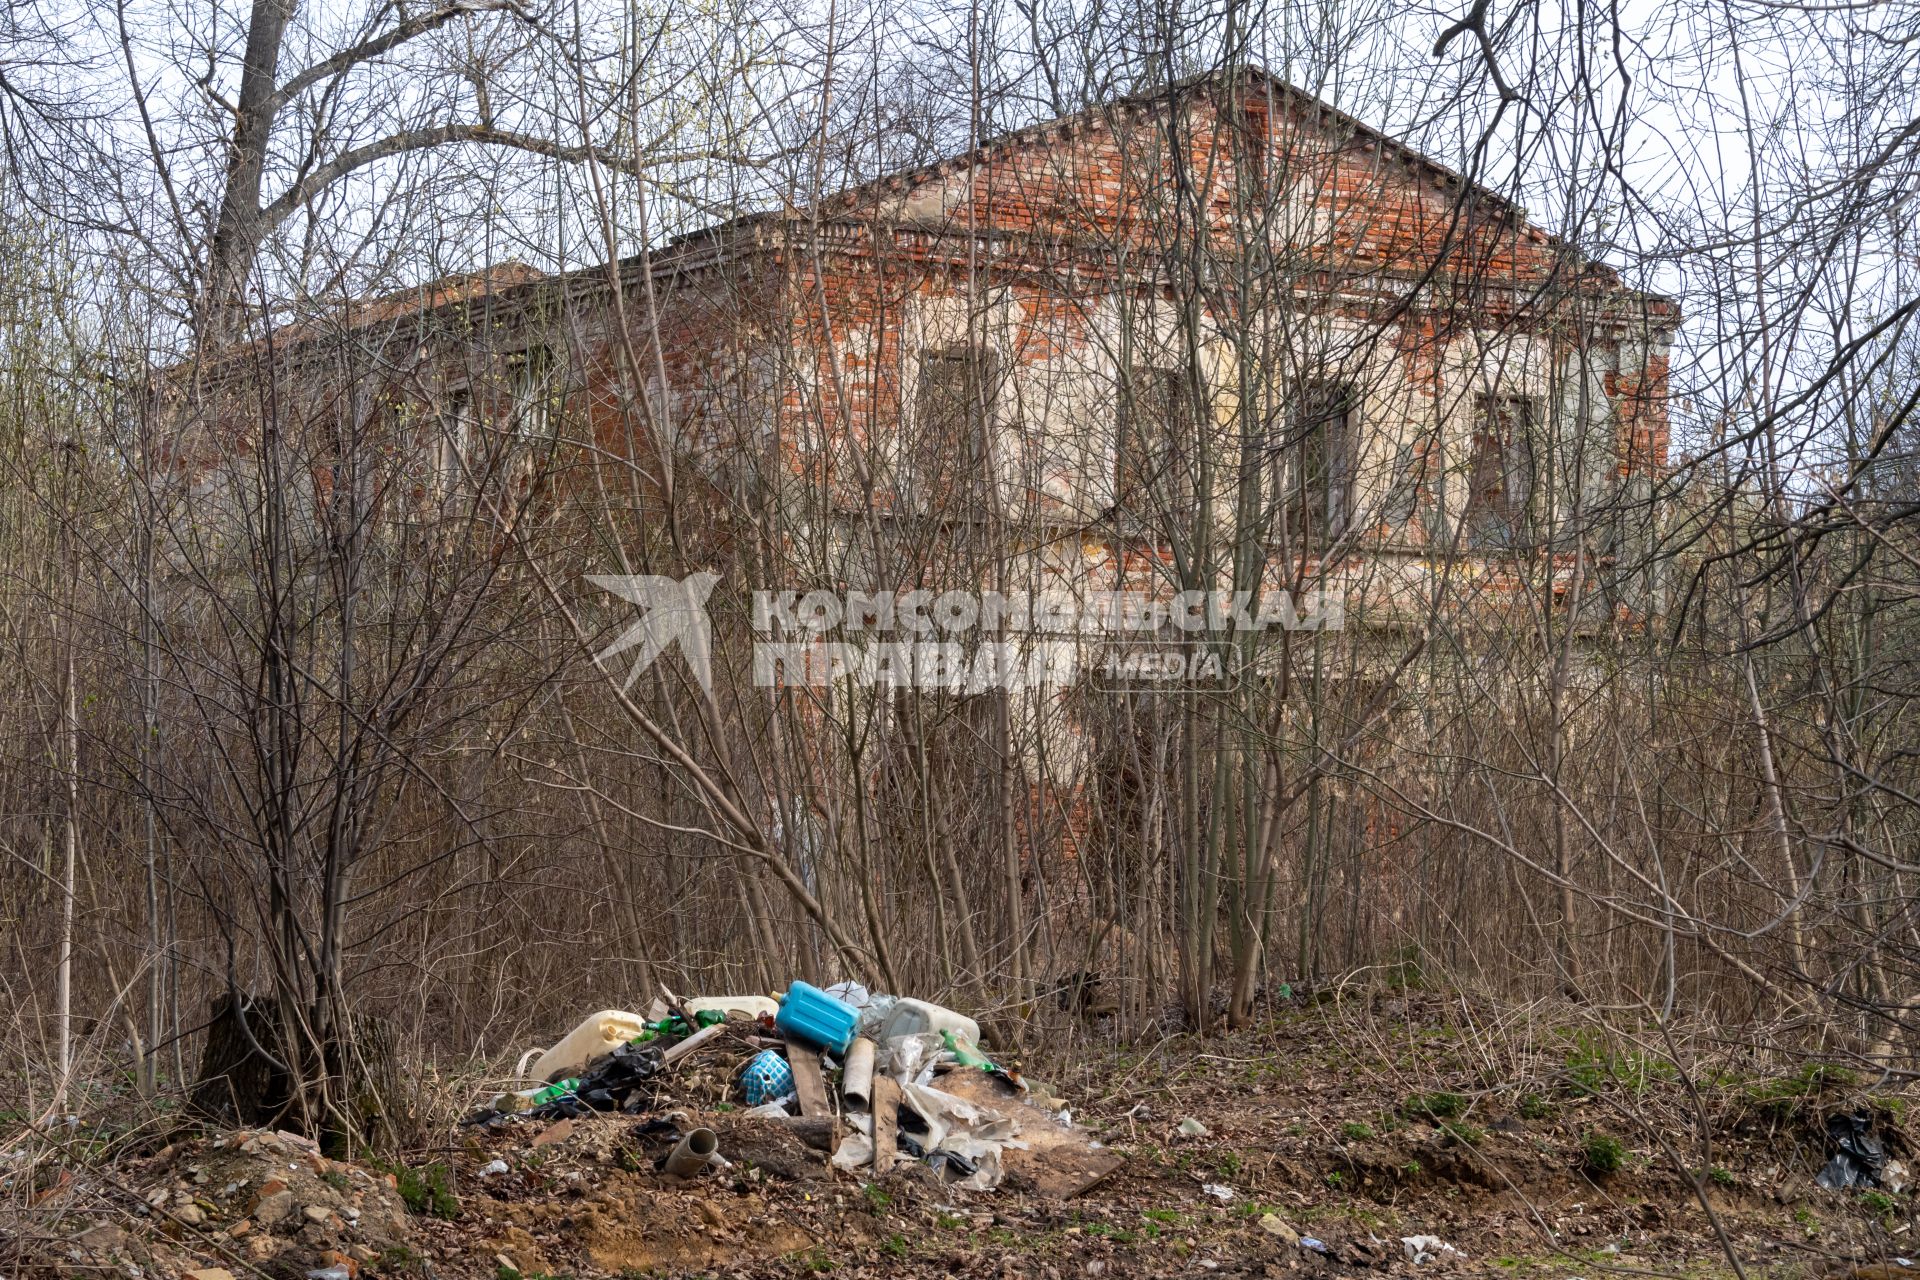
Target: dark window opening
1500,473
456,434
534,386
1153,476
948,458
1315,464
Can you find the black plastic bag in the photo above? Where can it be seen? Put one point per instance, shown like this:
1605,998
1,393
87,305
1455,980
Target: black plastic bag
1859,1158
616,1082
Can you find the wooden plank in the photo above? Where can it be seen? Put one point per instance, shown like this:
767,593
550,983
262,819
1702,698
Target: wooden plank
886,1122
822,1133
807,1081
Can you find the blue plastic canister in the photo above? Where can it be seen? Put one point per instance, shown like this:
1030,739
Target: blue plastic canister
810,1014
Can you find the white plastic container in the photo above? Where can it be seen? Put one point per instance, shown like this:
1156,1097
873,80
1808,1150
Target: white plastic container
752,1006
911,1017
601,1033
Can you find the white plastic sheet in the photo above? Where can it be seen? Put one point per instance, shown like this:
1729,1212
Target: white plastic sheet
960,1128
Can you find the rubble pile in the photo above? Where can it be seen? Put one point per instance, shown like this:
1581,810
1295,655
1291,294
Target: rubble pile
252,1200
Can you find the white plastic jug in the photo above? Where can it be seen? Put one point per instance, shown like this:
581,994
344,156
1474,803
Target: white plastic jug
911,1017
752,1006
601,1033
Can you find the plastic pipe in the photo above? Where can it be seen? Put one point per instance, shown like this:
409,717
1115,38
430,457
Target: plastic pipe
693,1153
856,1077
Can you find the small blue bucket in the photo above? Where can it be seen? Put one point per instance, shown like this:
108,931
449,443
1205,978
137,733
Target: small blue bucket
810,1015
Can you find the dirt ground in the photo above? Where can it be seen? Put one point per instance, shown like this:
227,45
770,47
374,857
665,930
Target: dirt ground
1324,1136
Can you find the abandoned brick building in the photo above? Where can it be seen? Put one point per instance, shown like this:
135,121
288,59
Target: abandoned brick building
1217,337
1217,326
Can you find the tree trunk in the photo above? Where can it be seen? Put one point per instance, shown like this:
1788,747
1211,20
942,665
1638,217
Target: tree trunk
243,1079
237,231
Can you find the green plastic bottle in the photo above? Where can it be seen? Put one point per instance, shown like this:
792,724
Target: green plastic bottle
527,1099
965,1054
555,1091
675,1026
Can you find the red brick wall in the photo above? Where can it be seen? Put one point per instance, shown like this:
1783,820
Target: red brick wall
1060,214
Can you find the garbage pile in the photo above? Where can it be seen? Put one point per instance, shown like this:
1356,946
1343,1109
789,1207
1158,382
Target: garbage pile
878,1082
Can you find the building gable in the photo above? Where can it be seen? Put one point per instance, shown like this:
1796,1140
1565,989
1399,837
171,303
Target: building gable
1254,161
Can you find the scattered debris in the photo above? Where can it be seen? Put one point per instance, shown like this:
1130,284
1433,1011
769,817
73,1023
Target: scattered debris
752,1007
528,1099
1426,1248
1060,1159
963,1190
1191,1128
616,1082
